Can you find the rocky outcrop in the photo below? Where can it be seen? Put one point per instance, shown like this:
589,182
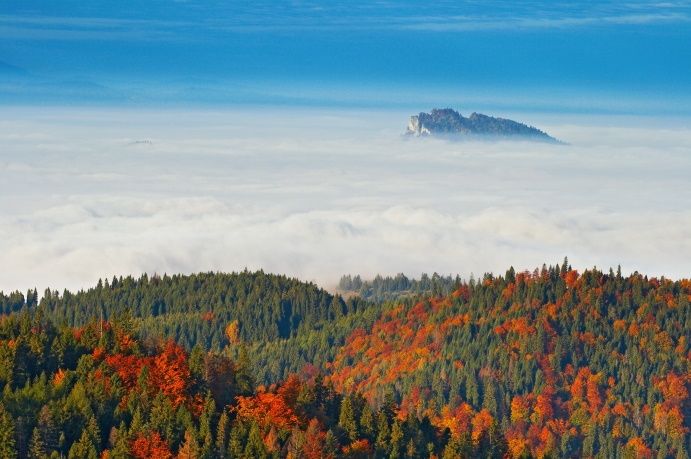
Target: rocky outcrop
448,122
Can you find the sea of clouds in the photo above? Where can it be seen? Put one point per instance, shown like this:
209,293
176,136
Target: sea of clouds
316,193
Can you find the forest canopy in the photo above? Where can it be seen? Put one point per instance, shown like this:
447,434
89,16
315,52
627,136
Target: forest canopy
547,363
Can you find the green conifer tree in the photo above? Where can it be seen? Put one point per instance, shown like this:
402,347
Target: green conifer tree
383,433
84,448
255,445
222,433
346,419
236,441
121,445
189,448
396,440
37,449
368,426
7,442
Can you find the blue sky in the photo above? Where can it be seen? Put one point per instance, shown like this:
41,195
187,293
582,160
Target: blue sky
630,57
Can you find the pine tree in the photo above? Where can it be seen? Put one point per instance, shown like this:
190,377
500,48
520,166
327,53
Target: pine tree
489,397
330,444
207,447
222,433
243,372
206,434
94,432
497,443
589,443
47,429
189,448
367,423
84,448
121,445
271,441
411,450
396,441
346,419
163,418
7,442
383,431
296,445
465,445
236,442
471,389
452,450
37,450
255,445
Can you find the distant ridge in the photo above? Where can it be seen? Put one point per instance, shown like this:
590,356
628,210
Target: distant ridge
447,122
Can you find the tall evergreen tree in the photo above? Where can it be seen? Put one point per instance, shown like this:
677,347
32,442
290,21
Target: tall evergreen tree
222,435
255,445
84,448
7,441
346,419
368,423
189,448
37,449
396,440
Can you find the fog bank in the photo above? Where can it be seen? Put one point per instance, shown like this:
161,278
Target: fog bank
91,193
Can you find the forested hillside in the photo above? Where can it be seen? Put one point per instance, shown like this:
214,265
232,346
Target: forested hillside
195,309
549,363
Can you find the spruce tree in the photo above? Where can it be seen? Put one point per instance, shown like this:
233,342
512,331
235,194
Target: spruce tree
47,429
84,448
383,433
330,444
7,442
255,444
121,446
189,448
346,419
222,433
452,450
236,441
37,449
243,372
489,396
396,440
368,427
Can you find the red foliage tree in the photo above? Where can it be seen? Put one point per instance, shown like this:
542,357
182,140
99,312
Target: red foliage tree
170,372
314,440
267,409
150,446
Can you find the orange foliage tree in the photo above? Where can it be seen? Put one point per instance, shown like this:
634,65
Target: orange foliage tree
150,446
267,409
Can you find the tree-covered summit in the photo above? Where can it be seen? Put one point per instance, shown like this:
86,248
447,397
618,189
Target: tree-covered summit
194,309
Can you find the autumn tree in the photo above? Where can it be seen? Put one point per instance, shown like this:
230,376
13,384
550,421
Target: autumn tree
189,448
150,446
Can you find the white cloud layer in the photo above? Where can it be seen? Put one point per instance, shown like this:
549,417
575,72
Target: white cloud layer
316,194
